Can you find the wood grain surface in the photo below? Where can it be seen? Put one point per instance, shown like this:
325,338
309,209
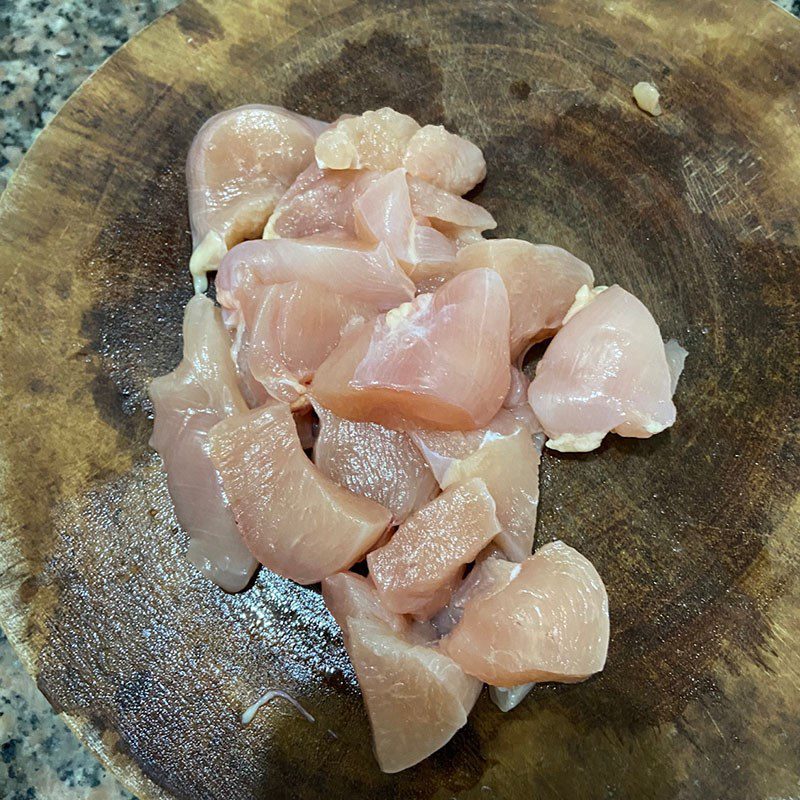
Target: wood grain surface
695,531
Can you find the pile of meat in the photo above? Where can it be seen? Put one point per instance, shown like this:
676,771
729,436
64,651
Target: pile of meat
359,395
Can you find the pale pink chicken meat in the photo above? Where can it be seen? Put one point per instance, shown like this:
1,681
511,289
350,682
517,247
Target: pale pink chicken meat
383,213
239,165
417,570
517,404
541,281
441,361
288,329
320,201
487,576
294,519
444,159
347,594
460,219
188,402
374,462
517,389
416,697
352,269
605,370
385,140
373,140
548,623
505,457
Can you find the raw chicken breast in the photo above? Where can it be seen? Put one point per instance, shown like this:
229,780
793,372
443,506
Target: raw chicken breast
385,139
374,462
383,214
505,457
416,572
517,404
416,697
374,140
369,274
550,623
438,362
517,389
461,220
347,594
289,330
444,159
541,281
295,520
239,165
486,577
676,358
605,370
320,201
188,403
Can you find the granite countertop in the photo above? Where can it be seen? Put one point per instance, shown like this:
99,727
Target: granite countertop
46,50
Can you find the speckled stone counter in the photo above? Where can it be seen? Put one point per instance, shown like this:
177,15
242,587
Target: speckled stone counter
47,48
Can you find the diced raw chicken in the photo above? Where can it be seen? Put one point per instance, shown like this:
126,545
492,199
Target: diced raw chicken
383,214
517,389
550,623
385,139
676,358
461,220
295,520
416,572
509,698
320,201
188,402
444,159
374,140
416,696
239,165
487,576
517,404
374,462
289,330
541,281
438,362
349,595
505,457
368,274
605,370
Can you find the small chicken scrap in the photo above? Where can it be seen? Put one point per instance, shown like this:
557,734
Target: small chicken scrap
359,394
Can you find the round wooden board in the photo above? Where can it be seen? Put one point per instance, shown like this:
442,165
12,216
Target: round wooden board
694,531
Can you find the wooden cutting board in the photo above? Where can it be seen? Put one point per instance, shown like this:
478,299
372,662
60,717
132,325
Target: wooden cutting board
695,531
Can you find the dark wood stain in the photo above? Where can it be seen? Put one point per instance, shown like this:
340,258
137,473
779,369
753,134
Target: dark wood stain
694,531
